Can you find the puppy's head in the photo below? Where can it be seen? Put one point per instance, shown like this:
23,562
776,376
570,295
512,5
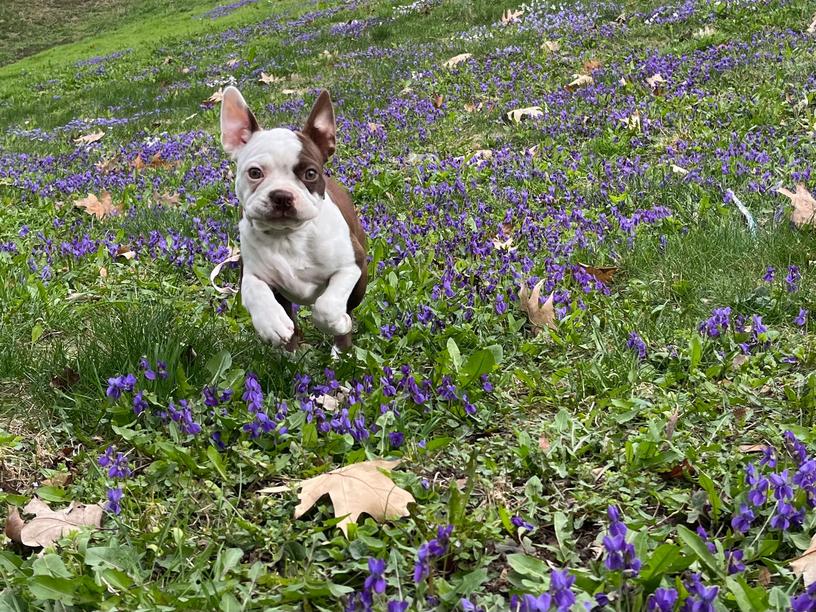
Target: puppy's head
279,179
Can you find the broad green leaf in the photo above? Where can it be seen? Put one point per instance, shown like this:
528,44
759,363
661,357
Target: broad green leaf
698,547
48,587
455,355
695,352
50,565
472,581
218,364
748,599
530,567
217,462
36,333
228,559
52,494
480,362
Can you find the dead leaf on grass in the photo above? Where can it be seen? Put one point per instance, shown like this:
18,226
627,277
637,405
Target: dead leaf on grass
233,63
360,488
738,361
47,525
551,46
167,60
96,207
531,112
579,80
168,199
656,82
107,164
605,274
540,315
754,448
126,252
805,565
268,79
509,16
457,59
812,27
89,138
216,97
438,99
804,205
373,127
592,65
679,170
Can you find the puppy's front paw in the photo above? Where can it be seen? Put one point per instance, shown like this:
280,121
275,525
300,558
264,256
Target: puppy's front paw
331,323
277,330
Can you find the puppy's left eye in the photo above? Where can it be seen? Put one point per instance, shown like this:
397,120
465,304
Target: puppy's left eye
310,175
255,173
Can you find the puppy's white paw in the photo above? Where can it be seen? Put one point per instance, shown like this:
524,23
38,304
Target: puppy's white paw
277,330
336,326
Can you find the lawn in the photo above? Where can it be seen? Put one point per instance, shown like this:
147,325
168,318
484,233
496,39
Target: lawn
637,438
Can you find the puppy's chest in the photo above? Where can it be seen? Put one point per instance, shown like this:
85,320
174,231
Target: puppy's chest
293,265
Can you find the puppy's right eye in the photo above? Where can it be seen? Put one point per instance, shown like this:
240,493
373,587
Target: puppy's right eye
255,173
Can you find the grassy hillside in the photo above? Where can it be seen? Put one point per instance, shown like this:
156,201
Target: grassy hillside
641,440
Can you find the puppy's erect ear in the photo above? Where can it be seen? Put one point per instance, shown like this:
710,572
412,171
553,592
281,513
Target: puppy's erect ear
237,121
320,125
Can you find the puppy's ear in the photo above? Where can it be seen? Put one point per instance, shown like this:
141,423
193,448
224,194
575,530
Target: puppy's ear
320,125
237,121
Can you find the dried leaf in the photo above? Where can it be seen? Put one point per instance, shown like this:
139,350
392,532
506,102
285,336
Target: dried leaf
764,577
518,114
805,565
540,315
681,470
373,127
671,424
506,245
483,154
14,525
103,272
470,107
233,62
438,99
738,361
656,82
592,65
509,16
126,252
167,60
356,489
216,97
679,170
754,448
65,379
268,79
804,206
47,526
705,32
457,59
812,27
551,46
89,138
167,199
96,207
60,479
605,274
107,164
138,162
234,257
579,80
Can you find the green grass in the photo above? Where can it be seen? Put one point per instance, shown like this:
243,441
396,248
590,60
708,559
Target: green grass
574,422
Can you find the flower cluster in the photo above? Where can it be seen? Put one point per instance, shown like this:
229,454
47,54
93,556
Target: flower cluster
375,584
117,469
718,323
560,596
620,555
430,550
637,344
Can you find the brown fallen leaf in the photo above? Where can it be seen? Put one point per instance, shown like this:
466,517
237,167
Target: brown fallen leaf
138,163
540,315
509,16
65,379
89,138
483,154
438,99
470,107
373,127
126,252
605,274
503,245
656,82
167,60
47,525
579,80
764,577
551,46
532,112
168,199
738,361
268,79
216,97
592,65
671,423
107,164
805,565
59,479
96,207
754,448
804,205
233,63
812,27
681,470
103,272
356,489
457,59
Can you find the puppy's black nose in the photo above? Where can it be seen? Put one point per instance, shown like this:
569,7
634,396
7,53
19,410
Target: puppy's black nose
281,199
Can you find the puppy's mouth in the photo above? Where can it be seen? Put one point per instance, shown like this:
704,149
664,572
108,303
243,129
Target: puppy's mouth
276,222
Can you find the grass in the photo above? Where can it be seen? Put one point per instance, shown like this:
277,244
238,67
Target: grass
519,440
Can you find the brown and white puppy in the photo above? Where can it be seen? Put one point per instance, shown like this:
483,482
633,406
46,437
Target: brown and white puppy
301,240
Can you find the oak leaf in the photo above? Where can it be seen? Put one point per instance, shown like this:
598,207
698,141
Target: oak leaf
47,525
89,138
216,97
268,79
540,315
579,80
805,565
96,207
509,16
533,112
591,65
457,59
605,274
356,489
107,164
804,205
168,199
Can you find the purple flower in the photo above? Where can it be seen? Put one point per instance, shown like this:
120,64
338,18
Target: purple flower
487,386
561,589
117,463
119,384
741,522
396,605
375,581
522,524
801,318
531,603
792,279
735,564
717,323
146,371
637,344
781,485
161,368
786,516
770,274
620,555
701,598
704,537
662,600
396,438
431,550
139,403
114,500
501,305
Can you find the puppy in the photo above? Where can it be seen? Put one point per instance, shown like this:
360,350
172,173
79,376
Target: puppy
301,240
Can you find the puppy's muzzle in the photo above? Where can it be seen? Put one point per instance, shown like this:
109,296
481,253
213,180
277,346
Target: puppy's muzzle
281,204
